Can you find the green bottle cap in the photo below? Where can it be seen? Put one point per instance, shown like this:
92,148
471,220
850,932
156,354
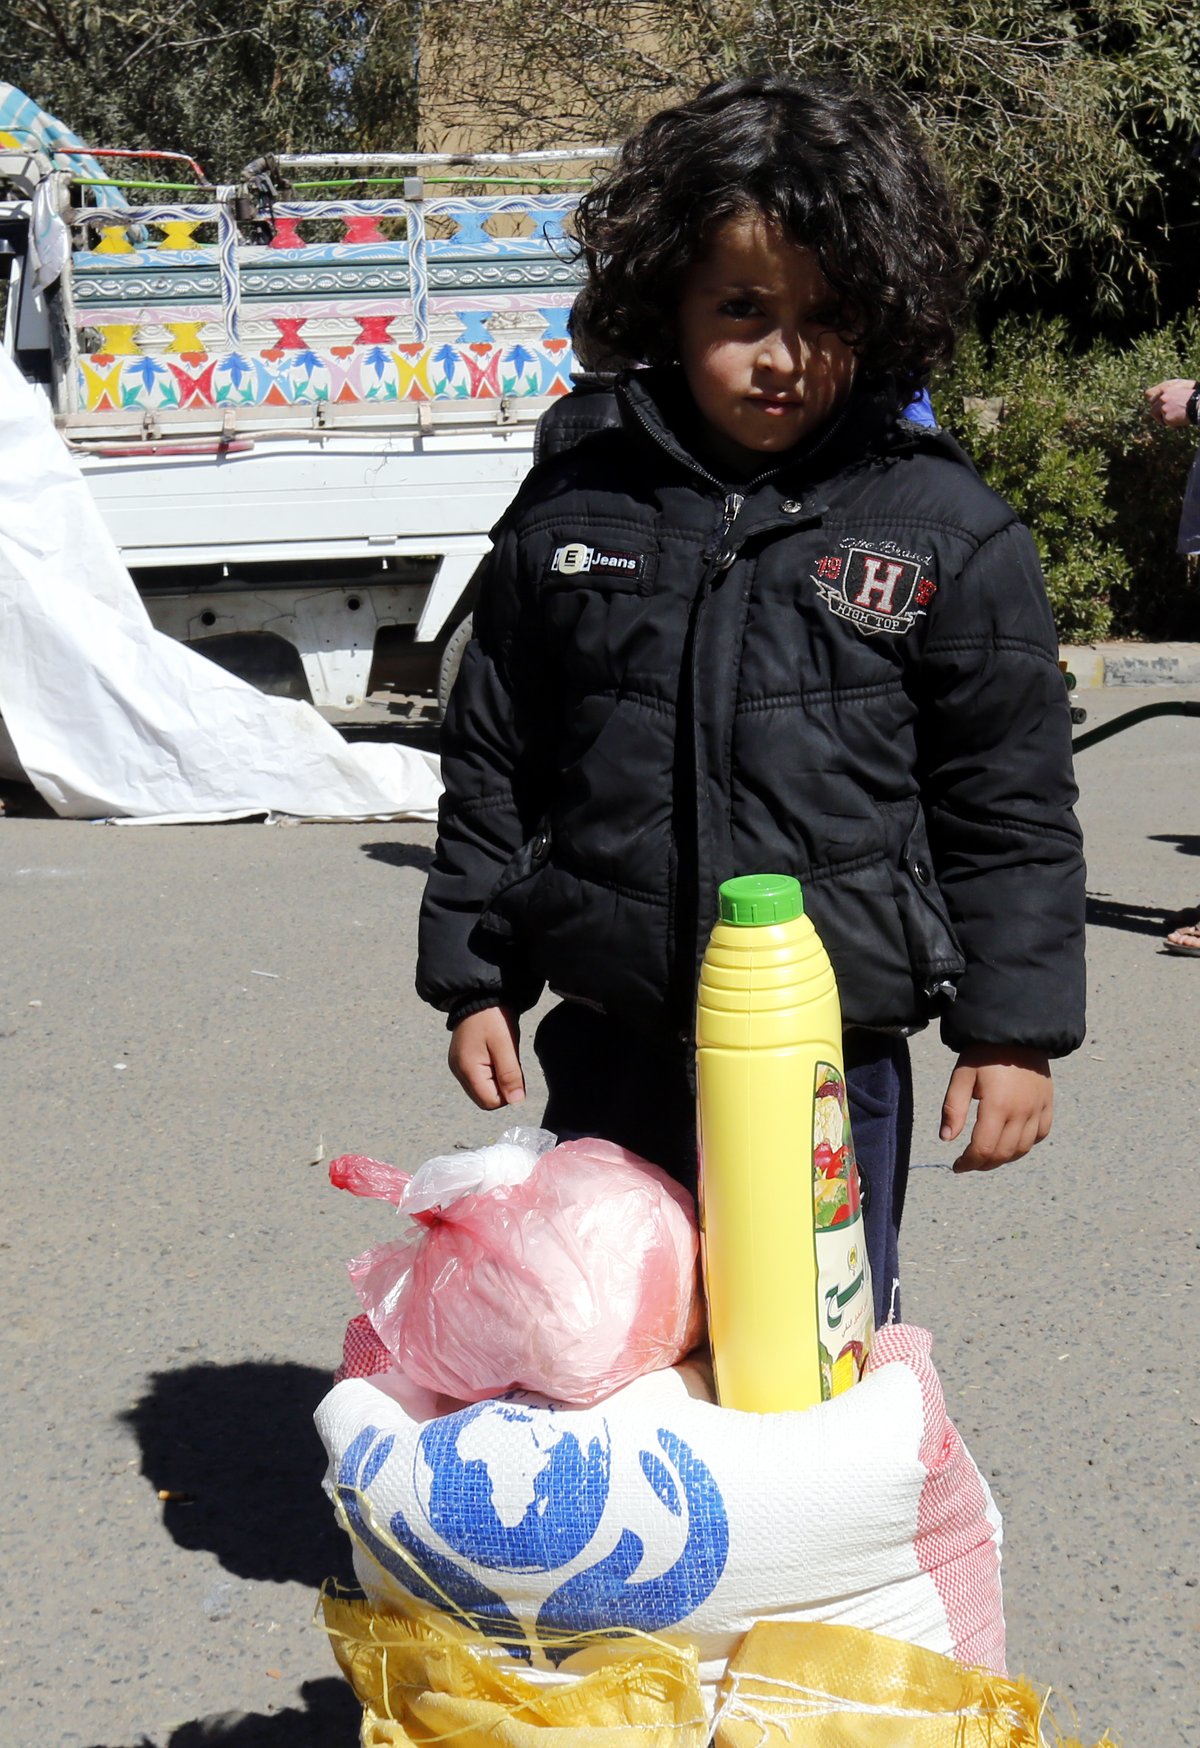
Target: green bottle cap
757,900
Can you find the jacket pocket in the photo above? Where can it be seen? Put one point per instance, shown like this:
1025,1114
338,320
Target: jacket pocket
933,949
507,898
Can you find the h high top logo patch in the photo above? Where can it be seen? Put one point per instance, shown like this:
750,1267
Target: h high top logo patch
877,588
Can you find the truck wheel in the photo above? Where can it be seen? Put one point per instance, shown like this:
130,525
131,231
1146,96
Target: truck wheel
452,655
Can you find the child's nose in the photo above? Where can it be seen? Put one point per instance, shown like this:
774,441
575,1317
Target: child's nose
783,353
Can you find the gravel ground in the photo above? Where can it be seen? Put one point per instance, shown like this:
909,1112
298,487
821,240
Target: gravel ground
192,1019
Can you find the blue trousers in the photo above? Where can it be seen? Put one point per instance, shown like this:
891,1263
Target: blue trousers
639,1091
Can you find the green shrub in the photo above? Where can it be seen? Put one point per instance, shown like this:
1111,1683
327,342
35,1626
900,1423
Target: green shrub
1147,475
1064,435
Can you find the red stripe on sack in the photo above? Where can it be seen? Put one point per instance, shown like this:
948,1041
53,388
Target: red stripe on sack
954,1542
363,1354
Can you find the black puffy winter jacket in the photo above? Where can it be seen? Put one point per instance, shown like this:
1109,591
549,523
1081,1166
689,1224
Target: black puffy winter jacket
845,670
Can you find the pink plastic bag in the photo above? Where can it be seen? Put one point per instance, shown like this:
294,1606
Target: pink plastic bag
363,1176
570,1282
364,1356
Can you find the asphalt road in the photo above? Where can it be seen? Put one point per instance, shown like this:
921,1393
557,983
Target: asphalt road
193,1019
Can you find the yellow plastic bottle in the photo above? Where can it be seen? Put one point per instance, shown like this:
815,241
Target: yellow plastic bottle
785,1259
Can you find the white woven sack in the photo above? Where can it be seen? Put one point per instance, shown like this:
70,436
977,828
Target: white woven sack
660,1511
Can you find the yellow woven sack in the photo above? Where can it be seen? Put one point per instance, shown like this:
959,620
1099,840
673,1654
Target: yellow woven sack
806,1684
422,1679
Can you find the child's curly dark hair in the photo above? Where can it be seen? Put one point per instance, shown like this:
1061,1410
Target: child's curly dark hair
840,170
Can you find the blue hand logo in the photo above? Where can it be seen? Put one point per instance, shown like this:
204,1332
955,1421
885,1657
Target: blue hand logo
603,1596
428,1575
510,1489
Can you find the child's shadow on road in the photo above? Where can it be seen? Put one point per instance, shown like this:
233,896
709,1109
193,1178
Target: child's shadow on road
329,1719
237,1445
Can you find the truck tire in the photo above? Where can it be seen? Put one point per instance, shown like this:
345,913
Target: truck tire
452,655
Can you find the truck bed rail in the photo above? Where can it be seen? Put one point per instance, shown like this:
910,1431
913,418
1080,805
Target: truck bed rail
249,295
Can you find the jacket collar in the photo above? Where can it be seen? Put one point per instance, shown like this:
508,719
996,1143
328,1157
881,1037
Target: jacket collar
656,405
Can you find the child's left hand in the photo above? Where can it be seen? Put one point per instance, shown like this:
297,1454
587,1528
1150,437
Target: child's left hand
1016,1104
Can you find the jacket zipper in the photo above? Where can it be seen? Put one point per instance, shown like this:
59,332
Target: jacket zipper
683,953
685,895
759,479
720,555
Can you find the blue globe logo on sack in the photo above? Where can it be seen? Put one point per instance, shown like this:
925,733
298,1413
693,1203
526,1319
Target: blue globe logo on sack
514,1512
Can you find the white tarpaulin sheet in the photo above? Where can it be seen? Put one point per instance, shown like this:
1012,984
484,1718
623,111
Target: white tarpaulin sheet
110,718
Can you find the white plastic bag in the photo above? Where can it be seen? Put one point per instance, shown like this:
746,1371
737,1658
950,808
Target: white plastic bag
476,1171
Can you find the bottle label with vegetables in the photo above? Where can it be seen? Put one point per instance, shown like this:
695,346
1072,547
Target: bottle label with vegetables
845,1311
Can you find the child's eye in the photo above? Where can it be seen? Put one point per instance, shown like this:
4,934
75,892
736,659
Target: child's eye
827,318
740,308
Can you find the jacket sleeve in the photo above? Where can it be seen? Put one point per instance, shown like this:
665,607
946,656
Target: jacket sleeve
999,794
492,758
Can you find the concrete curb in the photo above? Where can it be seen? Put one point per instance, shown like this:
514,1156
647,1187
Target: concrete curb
1132,664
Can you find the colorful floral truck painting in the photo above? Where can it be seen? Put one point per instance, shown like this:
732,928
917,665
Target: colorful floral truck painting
299,413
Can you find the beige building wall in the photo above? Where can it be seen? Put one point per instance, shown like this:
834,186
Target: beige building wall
472,84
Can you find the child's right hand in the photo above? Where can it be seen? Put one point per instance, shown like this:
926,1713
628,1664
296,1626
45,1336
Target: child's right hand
485,1058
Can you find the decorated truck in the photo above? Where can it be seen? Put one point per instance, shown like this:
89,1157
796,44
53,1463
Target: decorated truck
301,400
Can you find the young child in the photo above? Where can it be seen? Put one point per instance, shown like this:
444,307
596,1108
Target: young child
765,626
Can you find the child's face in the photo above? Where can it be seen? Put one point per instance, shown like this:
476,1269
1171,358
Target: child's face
762,357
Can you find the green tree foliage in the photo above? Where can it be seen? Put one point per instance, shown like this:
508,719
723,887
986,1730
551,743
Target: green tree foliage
1066,126
1063,434
224,80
